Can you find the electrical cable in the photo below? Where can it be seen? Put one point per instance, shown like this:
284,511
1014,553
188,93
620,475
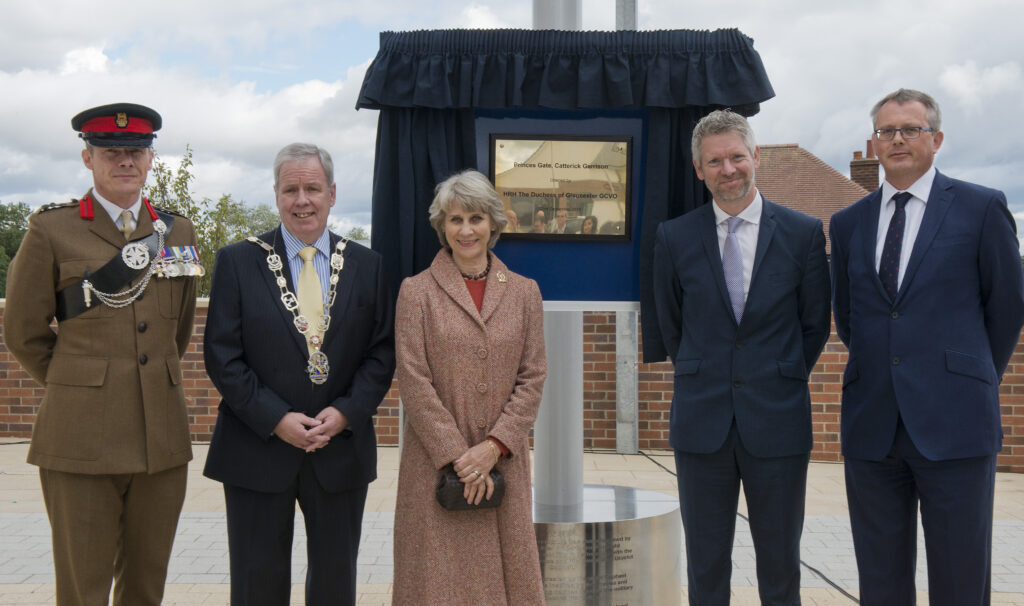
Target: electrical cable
814,570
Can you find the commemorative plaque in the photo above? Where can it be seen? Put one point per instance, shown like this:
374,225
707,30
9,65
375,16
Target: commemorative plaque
560,187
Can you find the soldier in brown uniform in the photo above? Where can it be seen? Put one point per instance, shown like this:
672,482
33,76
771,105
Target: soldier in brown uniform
111,439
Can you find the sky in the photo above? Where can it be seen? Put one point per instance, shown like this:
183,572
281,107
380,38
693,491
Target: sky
237,80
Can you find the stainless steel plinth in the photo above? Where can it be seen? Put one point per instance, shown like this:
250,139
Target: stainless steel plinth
621,546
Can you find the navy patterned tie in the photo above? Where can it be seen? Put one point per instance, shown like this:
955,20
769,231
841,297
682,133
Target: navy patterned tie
889,268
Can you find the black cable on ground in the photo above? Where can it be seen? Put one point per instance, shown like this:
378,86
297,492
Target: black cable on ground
814,570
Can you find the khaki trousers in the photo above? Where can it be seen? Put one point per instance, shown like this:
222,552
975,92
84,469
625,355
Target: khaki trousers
116,527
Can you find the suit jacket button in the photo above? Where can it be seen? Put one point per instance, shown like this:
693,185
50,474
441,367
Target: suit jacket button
895,361
481,387
739,346
736,384
895,315
143,359
482,352
142,327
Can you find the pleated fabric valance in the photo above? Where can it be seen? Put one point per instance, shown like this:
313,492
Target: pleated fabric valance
461,69
429,86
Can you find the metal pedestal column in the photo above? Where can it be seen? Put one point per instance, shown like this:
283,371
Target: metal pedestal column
558,432
598,545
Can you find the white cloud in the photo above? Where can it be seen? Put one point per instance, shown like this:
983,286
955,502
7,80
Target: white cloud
90,59
234,128
975,88
476,16
14,163
238,80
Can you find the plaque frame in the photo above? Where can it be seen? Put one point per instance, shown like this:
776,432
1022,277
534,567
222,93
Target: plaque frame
586,176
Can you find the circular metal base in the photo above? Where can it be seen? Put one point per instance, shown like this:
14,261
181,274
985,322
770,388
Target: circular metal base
620,546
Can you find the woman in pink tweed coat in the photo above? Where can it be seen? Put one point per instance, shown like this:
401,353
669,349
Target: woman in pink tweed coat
471,366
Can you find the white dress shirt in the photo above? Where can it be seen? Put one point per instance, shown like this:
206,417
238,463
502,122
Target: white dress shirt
115,211
746,233
914,214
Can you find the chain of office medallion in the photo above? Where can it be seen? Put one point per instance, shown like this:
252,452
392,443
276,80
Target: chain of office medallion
290,301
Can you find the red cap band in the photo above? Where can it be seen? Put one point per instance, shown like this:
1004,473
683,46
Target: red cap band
108,124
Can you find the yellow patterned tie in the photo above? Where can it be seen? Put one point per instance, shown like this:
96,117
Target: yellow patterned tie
309,293
126,224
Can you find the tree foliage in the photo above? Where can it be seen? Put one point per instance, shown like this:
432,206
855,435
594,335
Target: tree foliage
13,225
358,233
218,223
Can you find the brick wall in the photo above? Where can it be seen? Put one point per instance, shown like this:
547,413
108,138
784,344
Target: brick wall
20,396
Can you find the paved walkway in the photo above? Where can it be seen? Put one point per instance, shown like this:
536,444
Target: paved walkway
199,565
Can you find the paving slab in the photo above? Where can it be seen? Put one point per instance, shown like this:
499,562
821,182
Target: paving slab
199,574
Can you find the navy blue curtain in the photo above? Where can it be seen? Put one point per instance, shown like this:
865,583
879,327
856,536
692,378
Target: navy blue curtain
427,85
672,189
417,148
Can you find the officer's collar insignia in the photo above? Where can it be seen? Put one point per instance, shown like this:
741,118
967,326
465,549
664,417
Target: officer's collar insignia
85,206
121,120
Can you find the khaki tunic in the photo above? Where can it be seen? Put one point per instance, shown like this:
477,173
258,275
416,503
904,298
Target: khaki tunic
114,401
463,376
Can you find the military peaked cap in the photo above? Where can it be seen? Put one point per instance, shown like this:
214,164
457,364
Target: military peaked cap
118,125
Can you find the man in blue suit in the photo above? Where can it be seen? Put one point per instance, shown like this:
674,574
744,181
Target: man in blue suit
299,342
742,296
929,299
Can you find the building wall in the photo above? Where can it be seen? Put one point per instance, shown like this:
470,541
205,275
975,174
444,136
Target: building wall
20,397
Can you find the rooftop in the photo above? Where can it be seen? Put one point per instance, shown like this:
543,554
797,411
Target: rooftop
794,177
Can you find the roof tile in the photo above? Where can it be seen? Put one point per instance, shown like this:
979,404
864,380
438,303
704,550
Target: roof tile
794,177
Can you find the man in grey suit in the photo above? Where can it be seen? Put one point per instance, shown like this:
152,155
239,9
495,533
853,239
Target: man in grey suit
742,295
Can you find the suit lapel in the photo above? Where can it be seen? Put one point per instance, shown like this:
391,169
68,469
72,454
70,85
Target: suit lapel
940,198
273,291
765,232
709,237
343,293
143,224
497,286
869,238
451,282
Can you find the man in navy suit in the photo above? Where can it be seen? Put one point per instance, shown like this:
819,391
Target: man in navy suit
742,295
299,342
929,299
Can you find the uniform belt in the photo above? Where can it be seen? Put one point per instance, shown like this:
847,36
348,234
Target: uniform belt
110,278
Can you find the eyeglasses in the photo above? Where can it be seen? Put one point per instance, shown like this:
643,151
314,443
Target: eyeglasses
907,132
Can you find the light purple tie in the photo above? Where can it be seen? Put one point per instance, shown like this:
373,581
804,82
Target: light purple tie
732,264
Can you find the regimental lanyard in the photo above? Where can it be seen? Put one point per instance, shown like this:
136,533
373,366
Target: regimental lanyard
317,367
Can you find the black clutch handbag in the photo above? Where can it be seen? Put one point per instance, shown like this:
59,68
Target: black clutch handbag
450,488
